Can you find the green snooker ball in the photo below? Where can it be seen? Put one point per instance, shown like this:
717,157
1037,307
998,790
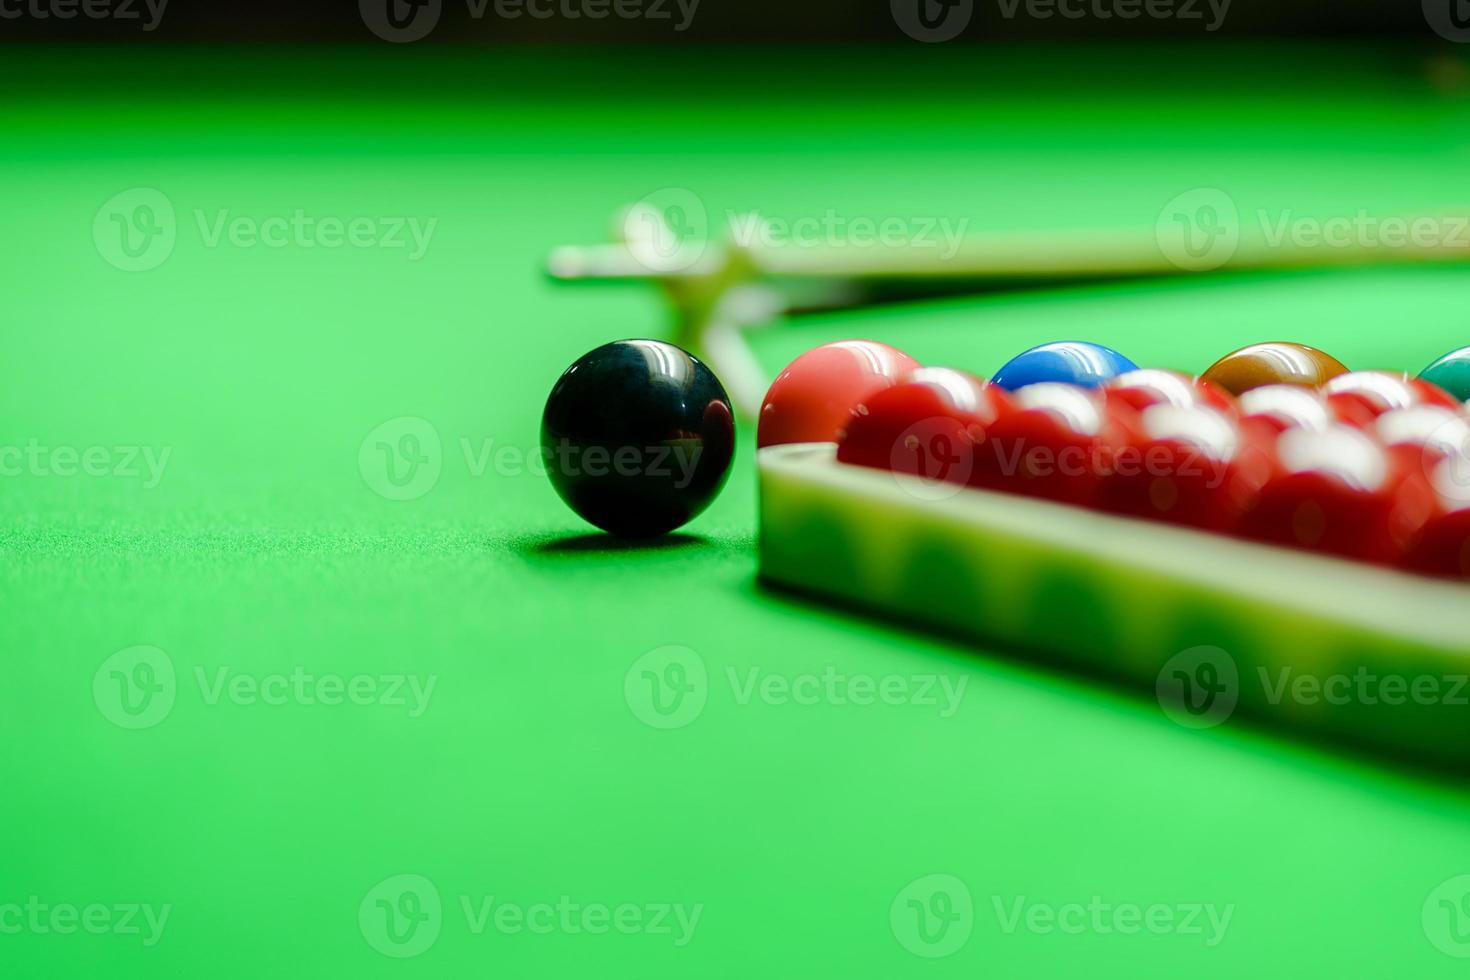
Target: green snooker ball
1451,372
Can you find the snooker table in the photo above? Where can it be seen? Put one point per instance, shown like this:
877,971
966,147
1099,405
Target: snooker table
257,673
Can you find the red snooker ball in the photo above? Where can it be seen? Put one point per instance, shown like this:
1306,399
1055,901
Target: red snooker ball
1338,491
813,399
1276,408
1427,432
927,426
1151,386
1186,464
1442,546
1045,443
1359,397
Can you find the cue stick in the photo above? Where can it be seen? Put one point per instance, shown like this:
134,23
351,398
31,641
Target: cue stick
720,289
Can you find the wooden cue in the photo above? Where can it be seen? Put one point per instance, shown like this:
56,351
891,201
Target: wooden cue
720,289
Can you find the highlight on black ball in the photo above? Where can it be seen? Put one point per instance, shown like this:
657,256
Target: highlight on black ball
638,436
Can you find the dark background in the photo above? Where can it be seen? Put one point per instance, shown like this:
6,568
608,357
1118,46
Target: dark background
716,21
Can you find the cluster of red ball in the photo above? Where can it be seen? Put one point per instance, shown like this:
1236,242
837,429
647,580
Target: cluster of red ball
1371,466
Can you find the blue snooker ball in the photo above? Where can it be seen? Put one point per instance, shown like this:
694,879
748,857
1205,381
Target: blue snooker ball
1072,362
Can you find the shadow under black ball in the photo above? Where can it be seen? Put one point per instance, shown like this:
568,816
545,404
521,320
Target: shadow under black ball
638,437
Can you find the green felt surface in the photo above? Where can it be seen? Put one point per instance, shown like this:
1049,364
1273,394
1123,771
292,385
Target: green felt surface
537,771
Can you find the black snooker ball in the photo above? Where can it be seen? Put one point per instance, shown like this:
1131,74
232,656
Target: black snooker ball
638,436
